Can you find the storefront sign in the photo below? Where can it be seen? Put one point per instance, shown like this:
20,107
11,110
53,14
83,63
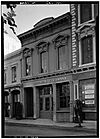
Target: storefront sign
89,91
89,101
89,86
53,80
89,96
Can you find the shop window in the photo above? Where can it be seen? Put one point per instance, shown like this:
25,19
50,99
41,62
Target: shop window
28,65
85,12
14,74
61,57
5,77
43,62
87,50
64,95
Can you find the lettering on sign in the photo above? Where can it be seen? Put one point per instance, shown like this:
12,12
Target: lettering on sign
89,86
89,96
89,101
89,91
53,80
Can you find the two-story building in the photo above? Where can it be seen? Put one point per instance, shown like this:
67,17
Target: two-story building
12,82
84,56
46,69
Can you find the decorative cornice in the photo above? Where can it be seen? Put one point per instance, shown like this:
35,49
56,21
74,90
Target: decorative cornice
27,52
42,46
60,40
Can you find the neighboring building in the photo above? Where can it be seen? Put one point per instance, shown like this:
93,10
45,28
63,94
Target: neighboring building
46,73
84,56
12,81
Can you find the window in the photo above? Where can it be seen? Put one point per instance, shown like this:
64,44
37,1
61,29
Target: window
61,58
14,74
86,50
28,65
5,77
64,95
85,12
43,60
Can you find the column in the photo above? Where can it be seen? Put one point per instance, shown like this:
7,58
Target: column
10,101
35,102
71,101
54,102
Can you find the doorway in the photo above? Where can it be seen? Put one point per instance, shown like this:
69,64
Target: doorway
46,102
29,102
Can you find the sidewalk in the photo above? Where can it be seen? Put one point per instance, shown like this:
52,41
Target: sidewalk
86,125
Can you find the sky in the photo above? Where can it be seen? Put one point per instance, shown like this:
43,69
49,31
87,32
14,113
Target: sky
26,17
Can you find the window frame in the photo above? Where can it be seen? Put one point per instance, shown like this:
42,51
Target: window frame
41,62
14,79
79,19
94,51
58,61
26,74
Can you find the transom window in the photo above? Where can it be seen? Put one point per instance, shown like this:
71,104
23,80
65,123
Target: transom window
14,74
85,12
28,65
87,50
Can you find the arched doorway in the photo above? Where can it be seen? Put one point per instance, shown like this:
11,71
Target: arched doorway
15,99
6,104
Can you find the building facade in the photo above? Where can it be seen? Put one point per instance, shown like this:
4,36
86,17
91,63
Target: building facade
46,73
84,56
12,82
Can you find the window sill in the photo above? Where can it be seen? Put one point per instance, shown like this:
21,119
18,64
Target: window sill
83,65
63,110
84,23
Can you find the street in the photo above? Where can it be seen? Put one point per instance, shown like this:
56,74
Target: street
12,130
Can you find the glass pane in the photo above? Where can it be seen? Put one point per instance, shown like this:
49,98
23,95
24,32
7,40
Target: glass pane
87,50
85,12
43,62
61,58
62,102
41,104
28,65
47,103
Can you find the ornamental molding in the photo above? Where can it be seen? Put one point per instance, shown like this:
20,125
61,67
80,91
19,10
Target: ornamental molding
27,52
60,40
85,30
42,46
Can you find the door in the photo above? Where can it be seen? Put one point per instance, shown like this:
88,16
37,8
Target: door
46,102
29,102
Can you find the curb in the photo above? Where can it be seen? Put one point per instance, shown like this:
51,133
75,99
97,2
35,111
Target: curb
76,129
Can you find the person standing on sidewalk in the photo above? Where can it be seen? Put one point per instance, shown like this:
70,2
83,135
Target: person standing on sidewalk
78,111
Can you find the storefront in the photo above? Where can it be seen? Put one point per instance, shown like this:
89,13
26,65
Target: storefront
48,98
85,90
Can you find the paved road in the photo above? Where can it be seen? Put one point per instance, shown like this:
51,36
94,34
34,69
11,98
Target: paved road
11,130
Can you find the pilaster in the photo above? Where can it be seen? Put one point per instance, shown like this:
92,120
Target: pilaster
54,102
